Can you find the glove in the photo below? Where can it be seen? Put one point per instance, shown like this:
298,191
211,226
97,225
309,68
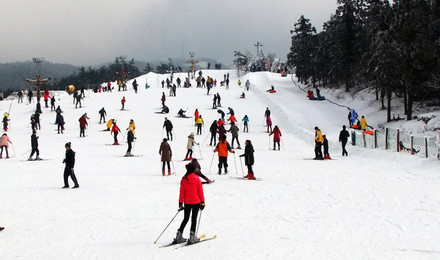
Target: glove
180,206
202,205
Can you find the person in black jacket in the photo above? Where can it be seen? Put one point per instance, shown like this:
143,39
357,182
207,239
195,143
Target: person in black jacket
68,170
130,139
213,131
249,159
34,144
343,138
102,114
169,128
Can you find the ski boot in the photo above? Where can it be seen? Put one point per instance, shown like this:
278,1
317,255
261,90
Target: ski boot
169,171
247,176
251,176
37,158
179,238
192,238
163,172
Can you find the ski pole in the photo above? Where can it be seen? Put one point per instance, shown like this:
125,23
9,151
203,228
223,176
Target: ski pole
13,150
241,166
205,139
269,142
172,163
212,160
167,226
200,150
25,152
198,224
235,164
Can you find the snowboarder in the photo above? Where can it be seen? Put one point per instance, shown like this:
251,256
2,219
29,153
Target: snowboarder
4,143
249,159
123,103
191,199
343,138
318,144
102,115
115,131
234,131
168,128
213,131
189,146
276,137
34,145
325,144
222,148
166,155
199,124
69,160
245,123
83,125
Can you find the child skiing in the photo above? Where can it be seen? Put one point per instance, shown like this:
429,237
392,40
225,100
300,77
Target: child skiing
325,144
189,147
249,159
4,143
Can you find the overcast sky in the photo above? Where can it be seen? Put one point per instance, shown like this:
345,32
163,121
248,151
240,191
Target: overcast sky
89,32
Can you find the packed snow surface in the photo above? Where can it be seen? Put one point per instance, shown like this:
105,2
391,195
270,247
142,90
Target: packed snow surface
373,204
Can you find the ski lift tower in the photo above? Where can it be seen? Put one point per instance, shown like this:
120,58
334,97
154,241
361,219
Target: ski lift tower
38,62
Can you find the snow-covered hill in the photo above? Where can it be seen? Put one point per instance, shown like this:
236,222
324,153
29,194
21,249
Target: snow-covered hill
373,204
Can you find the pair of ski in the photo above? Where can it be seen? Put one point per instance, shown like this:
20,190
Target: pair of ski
202,238
243,178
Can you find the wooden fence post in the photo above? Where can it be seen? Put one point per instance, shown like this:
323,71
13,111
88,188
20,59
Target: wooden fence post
397,139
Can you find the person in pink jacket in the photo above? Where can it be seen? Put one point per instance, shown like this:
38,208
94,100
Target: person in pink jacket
191,194
4,143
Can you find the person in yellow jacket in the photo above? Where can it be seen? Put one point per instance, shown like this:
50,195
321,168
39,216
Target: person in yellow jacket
199,124
318,144
109,124
132,126
363,123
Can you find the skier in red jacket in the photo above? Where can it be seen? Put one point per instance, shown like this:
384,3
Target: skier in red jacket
115,131
276,137
191,193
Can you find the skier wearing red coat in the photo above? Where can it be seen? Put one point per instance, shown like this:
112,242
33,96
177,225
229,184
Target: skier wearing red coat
82,125
276,136
191,194
115,131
